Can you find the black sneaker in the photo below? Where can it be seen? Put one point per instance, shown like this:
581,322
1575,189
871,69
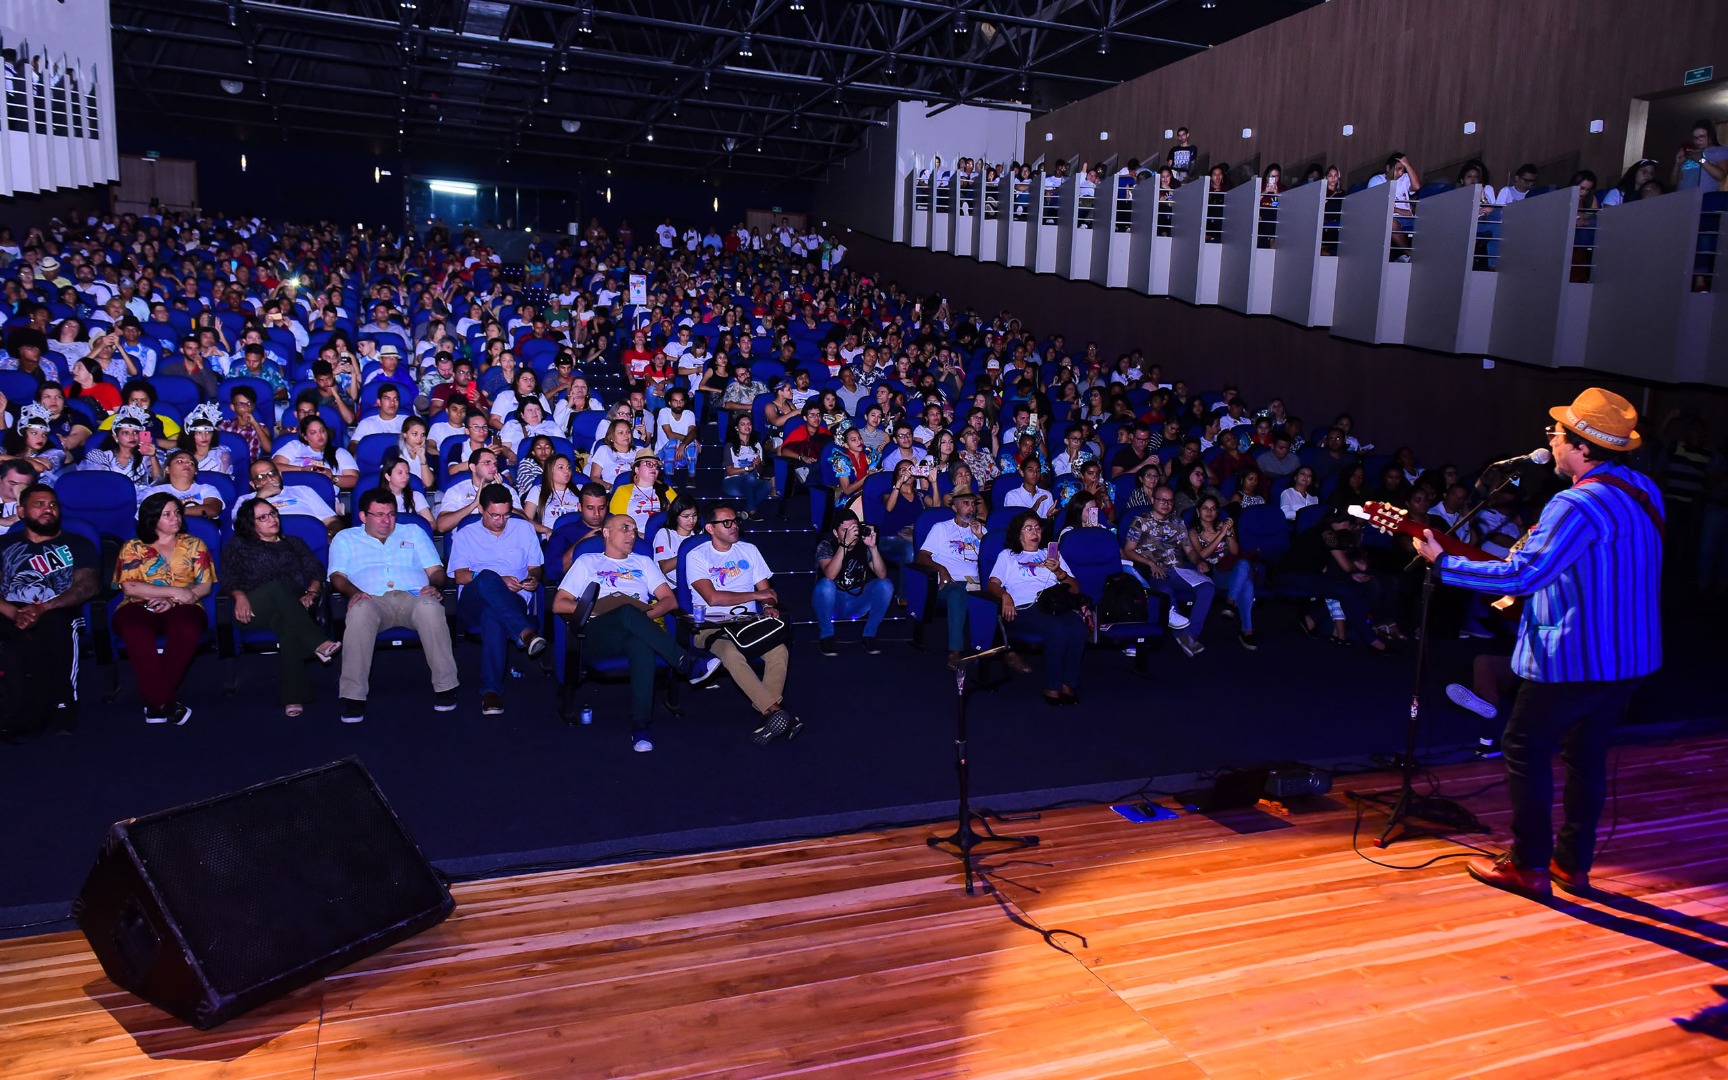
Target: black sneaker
353,711
156,715
871,647
826,645
1246,637
445,701
178,714
778,723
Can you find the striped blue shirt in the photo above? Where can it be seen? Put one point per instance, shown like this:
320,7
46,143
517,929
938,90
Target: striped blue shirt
1591,567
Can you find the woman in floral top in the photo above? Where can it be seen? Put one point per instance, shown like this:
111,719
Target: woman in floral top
981,464
164,575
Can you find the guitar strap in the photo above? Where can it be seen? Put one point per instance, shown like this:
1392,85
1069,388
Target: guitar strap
1637,494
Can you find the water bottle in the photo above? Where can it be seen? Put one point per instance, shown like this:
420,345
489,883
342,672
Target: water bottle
587,714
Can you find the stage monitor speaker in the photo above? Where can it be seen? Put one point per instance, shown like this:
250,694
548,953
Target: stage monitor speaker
216,907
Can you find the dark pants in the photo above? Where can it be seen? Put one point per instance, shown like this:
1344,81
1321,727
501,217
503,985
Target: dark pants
41,665
1575,719
1064,640
180,627
277,607
501,615
1353,596
627,632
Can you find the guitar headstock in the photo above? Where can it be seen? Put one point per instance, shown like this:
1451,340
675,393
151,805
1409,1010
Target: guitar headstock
1383,516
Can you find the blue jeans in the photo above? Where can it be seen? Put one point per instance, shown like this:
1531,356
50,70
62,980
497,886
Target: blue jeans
830,602
1173,586
747,488
954,595
502,615
1238,584
1064,638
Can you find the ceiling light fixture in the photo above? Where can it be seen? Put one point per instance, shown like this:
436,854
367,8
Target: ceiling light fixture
744,45
650,134
1104,43
796,5
888,65
962,22
585,19
570,127
1208,5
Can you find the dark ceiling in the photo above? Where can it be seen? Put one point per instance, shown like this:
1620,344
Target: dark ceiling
775,89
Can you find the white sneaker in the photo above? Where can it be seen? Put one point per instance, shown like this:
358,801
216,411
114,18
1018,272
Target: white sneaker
1466,698
1176,620
642,744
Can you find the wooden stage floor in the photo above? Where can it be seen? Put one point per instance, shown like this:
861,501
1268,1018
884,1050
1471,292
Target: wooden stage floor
1252,946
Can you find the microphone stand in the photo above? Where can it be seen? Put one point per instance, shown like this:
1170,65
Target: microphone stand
964,839
1407,803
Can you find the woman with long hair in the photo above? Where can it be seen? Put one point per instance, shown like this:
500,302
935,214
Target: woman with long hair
1023,573
944,452
395,478
533,465
275,580
163,574
89,385
554,497
198,438
128,449
1192,484
748,479
411,447
614,456
1217,554
315,451
681,524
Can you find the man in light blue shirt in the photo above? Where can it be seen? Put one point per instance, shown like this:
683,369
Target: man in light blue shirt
496,563
392,576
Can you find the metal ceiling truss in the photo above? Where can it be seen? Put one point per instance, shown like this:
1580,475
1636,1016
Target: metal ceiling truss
765,88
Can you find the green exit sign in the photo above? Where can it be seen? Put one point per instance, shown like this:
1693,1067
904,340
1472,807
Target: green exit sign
776,210
1699,74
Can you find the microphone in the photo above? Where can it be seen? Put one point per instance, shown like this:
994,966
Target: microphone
1534,457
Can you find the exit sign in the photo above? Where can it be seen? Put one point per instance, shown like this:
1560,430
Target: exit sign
1699,74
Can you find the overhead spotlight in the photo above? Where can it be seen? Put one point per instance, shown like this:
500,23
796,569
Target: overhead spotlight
707,81
232,86
1208,5
251,57
836,93
729,143
233,14
794,121
570,127
563,63
545,97
650,134
744,45
1023,81
758,146
962,22
1104,43
888,65
585,19
796,5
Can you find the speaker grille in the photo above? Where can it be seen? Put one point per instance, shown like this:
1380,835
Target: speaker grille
263,881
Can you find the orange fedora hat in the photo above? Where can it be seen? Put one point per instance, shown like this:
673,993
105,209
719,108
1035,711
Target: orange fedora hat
1601,416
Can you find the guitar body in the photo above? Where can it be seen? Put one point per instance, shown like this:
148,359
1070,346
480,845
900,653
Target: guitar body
1395,519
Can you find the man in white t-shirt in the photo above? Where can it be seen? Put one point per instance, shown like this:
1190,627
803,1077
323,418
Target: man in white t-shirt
631,595
667,233
730,580
266,482
463,497
496,564
950,554
386,421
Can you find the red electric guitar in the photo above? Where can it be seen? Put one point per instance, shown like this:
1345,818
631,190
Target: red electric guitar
1395,519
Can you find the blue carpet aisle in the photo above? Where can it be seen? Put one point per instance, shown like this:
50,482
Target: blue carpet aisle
485,792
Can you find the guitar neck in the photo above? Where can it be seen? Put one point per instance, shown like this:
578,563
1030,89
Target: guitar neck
1449,544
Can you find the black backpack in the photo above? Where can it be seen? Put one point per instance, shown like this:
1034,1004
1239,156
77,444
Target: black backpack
1123,600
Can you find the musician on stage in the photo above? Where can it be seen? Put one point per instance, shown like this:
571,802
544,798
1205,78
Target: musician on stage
1589,634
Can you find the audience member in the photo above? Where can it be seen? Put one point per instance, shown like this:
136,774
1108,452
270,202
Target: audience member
851,583
163,575
276,580
1038,593
496,565
47,574
392,577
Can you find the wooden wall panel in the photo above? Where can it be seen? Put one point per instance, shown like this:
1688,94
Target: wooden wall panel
1407,75
1450,408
